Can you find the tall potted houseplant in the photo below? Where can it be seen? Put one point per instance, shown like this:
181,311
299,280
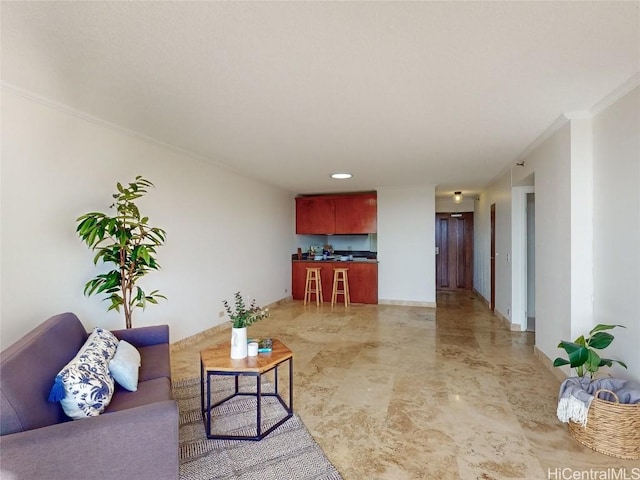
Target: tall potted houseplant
241,317
127,241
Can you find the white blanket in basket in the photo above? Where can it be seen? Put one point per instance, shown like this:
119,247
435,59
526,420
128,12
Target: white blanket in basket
577,393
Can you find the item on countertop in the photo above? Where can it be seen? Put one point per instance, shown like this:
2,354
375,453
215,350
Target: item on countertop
252,349
265,345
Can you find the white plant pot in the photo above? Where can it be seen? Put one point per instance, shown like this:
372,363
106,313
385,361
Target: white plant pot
238,343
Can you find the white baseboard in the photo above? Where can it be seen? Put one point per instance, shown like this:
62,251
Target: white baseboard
406,303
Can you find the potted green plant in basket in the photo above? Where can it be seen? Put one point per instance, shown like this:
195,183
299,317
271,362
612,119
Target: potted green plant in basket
602,413
241,317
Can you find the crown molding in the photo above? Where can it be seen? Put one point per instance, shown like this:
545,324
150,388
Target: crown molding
113,126
616,95
607,101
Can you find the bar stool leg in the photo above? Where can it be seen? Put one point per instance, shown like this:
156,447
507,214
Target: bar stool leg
345,287
340,275
319,298
307,285
313,284
334,292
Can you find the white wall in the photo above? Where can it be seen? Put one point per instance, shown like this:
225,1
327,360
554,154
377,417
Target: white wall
616,243
581,215
225,232
498,192
551,162
579,282
446,205
406,245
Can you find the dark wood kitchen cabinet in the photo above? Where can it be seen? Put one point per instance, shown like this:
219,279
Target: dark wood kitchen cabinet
363,280
315,215
299,276
337,214
356,214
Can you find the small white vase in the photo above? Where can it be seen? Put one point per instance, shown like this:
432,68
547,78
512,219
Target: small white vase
238,343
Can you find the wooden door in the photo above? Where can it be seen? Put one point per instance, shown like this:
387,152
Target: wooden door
492,304
454,243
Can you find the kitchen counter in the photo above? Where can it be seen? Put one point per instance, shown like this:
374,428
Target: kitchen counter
329,260
363,277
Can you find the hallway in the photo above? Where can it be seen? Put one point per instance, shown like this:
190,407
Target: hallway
414,393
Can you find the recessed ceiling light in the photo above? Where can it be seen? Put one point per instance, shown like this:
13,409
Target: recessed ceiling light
341,176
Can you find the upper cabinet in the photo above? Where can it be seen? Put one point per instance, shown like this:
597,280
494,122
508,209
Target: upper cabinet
337,214
314,215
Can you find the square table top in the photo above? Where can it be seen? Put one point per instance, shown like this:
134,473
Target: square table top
218,358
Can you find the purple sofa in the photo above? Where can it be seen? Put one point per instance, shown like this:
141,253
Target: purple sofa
136,436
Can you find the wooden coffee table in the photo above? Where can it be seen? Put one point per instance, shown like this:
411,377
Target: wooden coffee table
217,361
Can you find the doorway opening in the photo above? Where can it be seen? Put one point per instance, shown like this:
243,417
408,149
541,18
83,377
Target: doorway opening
492,303
531,262
523,271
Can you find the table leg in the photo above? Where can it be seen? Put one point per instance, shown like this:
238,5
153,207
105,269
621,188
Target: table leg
291,385
258,406
202,388
208,425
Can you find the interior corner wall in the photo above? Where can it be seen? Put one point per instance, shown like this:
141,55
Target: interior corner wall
482,246
498,193
581,206
616,243
406,244
551,162
57,165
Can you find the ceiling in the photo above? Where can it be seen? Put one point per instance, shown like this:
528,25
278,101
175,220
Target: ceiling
438,93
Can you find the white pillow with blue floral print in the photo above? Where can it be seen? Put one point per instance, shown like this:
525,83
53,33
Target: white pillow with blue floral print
84,387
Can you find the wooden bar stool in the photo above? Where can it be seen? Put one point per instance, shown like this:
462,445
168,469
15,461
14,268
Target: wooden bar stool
313,277
340,275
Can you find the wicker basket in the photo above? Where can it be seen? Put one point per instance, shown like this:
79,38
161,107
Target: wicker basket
613,428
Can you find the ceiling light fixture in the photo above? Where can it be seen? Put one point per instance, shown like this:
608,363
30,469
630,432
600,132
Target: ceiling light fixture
341,176
457,197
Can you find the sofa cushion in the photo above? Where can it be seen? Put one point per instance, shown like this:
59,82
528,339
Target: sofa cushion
155,362
27,369
124,366
84,386
151,391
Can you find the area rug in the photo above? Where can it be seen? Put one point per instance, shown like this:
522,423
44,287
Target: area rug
287,453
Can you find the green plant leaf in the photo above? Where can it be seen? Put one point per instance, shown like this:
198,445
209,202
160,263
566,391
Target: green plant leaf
569,347
593,361
558,362
578,357
601,340
609,362
602,326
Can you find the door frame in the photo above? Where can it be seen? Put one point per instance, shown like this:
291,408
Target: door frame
492,303
519,255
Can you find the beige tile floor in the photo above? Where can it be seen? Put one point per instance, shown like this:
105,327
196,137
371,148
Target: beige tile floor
415,393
